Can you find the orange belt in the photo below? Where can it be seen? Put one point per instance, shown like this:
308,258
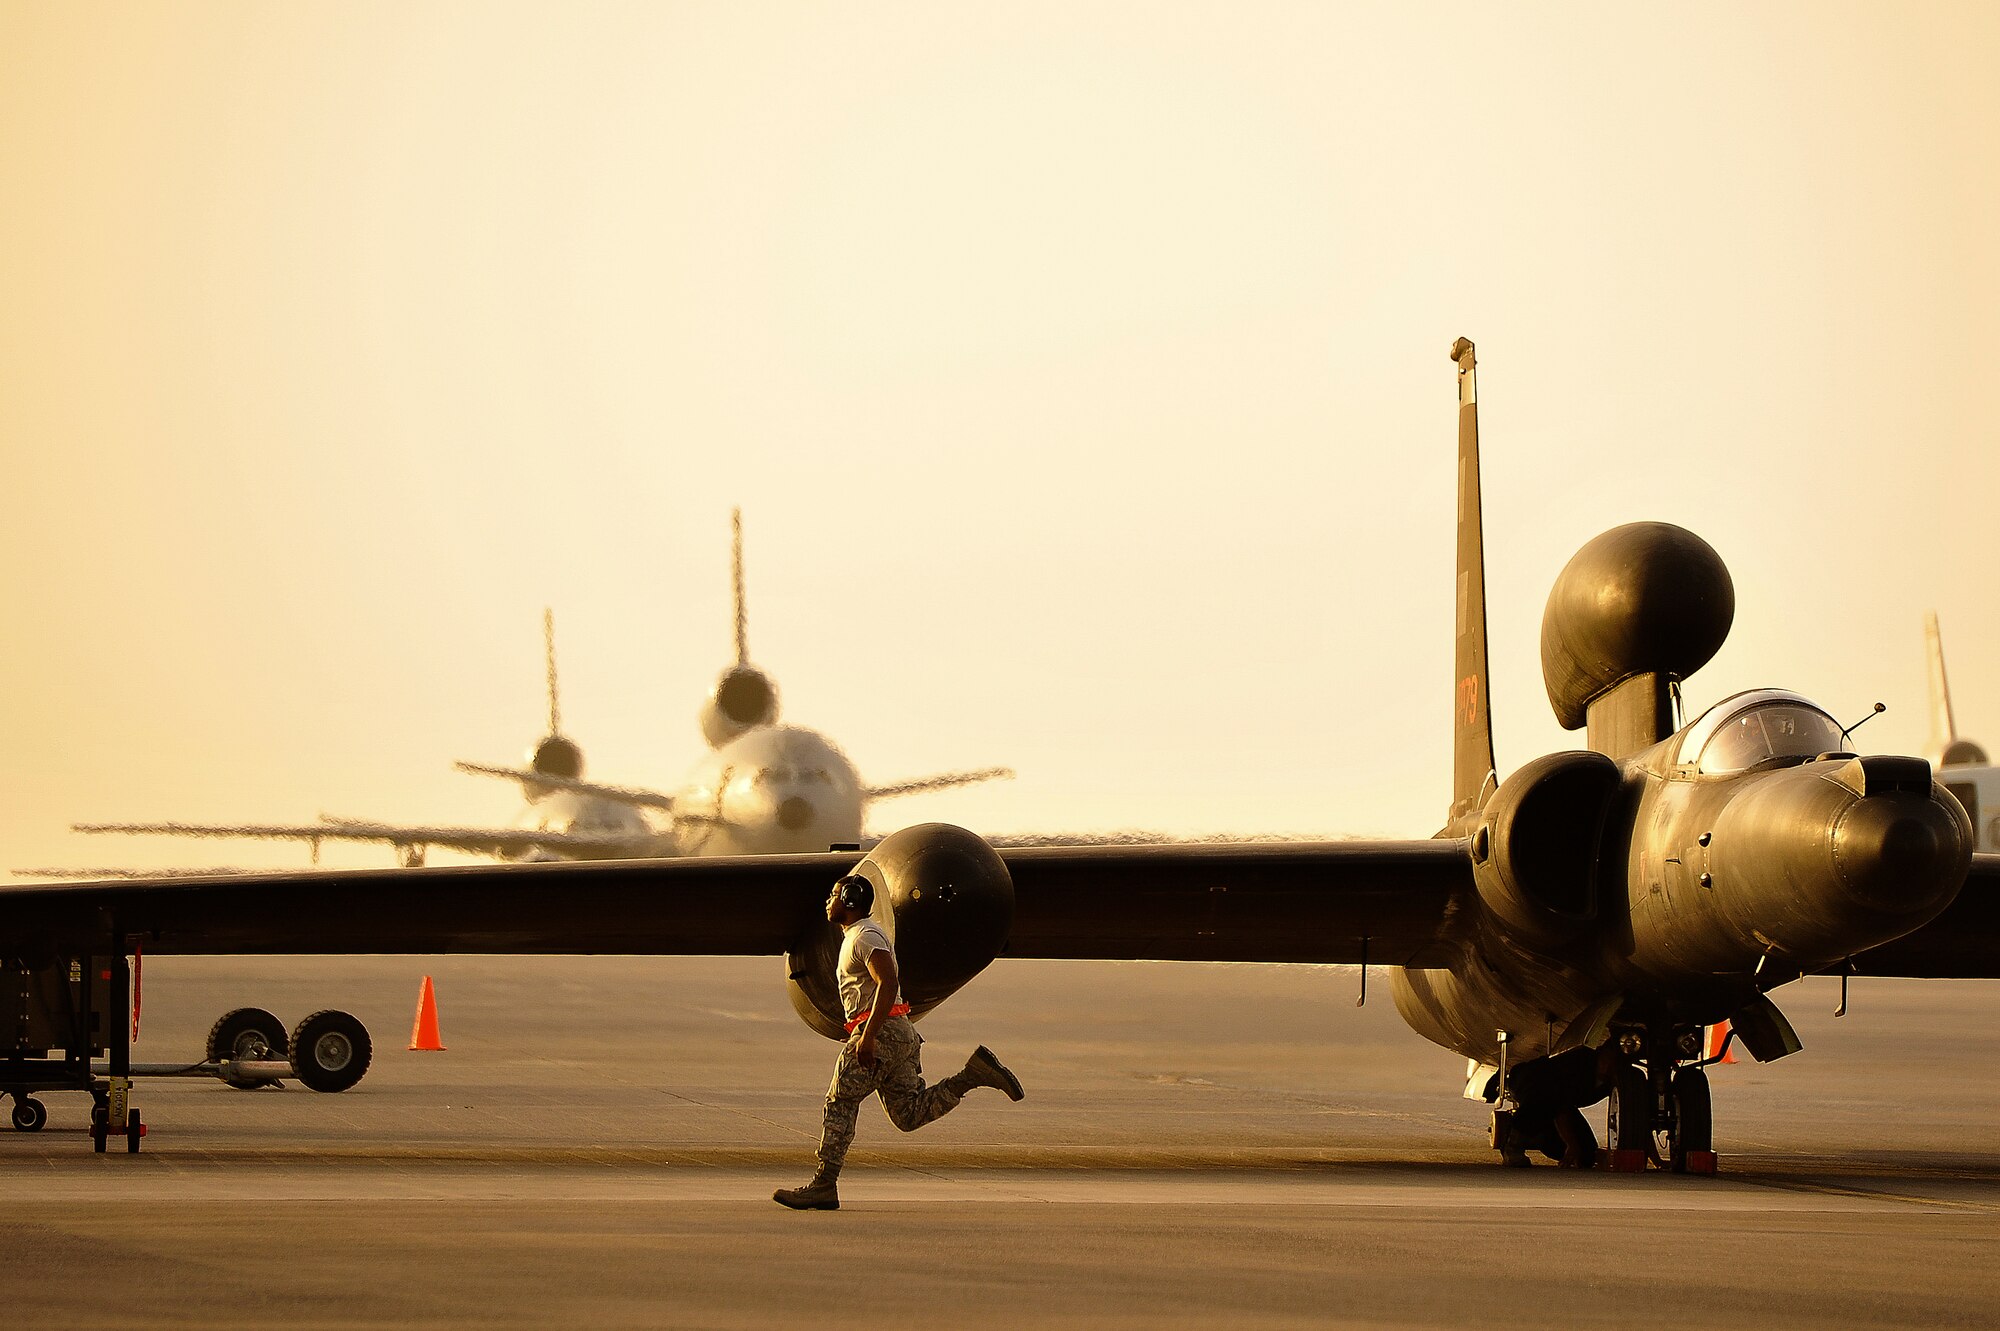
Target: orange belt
854,1022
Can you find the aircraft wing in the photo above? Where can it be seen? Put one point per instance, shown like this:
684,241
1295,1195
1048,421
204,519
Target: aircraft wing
941,781
1961,944
472,840
1386,902
1233,902
632,795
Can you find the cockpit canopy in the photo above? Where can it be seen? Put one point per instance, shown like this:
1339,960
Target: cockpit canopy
1748,729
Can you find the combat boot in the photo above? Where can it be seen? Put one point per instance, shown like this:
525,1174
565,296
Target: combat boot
818,1195
983,1069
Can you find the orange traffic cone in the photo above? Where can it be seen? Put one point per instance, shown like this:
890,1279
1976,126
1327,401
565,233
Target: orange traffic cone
1716,1035
424,1034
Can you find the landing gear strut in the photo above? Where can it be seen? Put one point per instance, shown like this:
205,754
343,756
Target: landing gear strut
1660,1108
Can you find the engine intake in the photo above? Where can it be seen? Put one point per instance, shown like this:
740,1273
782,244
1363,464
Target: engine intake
947,903
1536,849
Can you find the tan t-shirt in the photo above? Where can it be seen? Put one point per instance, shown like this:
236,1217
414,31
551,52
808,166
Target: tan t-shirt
857,986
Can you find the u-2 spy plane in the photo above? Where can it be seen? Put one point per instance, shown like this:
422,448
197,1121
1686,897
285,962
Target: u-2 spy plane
1621,896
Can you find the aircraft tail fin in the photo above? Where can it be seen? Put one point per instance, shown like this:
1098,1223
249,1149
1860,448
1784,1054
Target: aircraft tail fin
744,698
549,668
736,586
555,755
1947,749
1943,728
1472,778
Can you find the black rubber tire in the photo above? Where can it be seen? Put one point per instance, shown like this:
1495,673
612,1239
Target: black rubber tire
99,1133
247,1032
1694,1118
132,1132
30,1114
330,1051
1629,1126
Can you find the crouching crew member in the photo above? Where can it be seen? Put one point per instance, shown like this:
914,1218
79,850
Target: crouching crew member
1549,1094
881,1053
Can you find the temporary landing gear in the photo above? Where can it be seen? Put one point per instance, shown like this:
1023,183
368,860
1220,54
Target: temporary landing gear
247,1034
29,1114
111,1114
330,1051
72,1031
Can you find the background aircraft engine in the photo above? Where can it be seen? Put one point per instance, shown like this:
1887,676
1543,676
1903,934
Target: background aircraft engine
1537,846
743,699
1645,598
1963,753
947,901
557,756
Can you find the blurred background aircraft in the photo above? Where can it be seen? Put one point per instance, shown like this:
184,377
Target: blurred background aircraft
1962,764
764,788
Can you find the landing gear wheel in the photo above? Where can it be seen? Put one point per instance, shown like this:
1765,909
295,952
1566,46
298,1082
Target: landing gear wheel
330,1051
1630,1124
29,1114
134,1130
1694,1120
100,1132
247,1033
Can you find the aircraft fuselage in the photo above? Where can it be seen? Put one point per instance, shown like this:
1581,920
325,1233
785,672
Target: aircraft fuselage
1715,883
774,790
1977,787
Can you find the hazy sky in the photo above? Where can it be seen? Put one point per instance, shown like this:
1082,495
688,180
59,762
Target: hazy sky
1080,370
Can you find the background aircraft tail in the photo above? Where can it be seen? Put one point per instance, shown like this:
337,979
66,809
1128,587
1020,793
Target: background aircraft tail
1472,776
745,697
556,755
1946,747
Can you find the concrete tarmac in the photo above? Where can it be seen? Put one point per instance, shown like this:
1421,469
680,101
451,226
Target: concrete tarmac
1201,1145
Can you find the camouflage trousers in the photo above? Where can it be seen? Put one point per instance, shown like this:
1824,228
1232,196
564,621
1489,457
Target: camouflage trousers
897,1077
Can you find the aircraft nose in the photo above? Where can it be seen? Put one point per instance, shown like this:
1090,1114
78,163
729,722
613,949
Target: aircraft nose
1898,853
795,814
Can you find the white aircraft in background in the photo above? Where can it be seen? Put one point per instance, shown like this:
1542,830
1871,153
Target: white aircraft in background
764,788
1962,765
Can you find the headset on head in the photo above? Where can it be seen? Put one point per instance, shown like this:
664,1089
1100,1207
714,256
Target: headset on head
856,893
